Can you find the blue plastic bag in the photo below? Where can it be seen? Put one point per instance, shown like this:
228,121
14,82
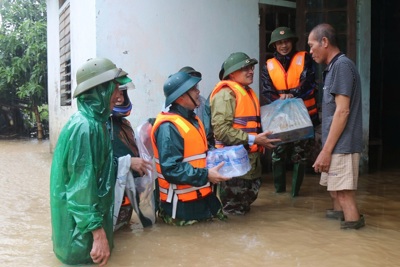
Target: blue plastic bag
287,119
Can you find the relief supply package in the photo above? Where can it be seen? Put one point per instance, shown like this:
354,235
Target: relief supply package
235,157
288,120
139,190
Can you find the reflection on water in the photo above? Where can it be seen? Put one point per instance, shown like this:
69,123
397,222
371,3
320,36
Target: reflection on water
278,231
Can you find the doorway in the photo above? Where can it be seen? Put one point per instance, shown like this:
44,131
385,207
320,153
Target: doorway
271,17
385,94
301,17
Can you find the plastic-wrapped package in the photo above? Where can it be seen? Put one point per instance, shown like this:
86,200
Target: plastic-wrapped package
139,190
288,120
143,141
145,185
236,160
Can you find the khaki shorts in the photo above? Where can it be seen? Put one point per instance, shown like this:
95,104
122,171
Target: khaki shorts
343,172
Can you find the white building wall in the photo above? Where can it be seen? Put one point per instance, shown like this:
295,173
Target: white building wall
53,70
151,40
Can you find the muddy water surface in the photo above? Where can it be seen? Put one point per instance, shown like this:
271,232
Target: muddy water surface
278,231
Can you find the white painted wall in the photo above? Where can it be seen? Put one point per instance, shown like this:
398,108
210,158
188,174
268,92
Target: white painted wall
155,38
151,40
53,70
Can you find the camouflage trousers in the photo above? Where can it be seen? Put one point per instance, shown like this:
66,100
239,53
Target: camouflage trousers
238,194
296,151
180,222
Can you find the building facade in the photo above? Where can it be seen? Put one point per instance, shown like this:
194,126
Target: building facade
153,39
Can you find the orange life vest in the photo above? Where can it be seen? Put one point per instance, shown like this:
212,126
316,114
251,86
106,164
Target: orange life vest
194,152
283,80
247,111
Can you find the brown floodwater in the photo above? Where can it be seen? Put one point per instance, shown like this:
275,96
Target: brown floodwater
278,231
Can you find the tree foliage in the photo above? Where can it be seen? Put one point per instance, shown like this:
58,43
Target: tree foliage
23,53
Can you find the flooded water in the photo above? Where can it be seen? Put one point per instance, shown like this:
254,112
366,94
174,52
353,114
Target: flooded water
278,231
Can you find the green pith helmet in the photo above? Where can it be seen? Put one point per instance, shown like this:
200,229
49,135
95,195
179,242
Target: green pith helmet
235,62
191,71
282,33
177,84
96,71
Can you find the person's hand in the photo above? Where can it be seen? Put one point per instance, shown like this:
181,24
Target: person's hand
140,165
323,162
214,176
100,250
263,140
285,96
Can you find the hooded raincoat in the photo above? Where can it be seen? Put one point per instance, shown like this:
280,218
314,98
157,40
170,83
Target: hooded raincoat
82,178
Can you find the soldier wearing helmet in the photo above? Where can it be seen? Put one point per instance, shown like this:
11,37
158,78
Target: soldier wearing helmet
203,109
82,173
180,147
290,73
235,119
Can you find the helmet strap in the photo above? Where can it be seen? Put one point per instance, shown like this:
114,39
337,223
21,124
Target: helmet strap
191,98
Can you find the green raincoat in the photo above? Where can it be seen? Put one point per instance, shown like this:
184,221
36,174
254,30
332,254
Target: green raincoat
82,178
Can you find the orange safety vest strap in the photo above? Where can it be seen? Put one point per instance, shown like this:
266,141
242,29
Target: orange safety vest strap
244,120
187,159
250,130
310,107
172,194
195,157
281,91
311,104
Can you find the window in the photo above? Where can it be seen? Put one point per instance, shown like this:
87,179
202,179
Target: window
65,58
61,3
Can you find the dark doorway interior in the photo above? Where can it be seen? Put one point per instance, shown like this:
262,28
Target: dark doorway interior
385,92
